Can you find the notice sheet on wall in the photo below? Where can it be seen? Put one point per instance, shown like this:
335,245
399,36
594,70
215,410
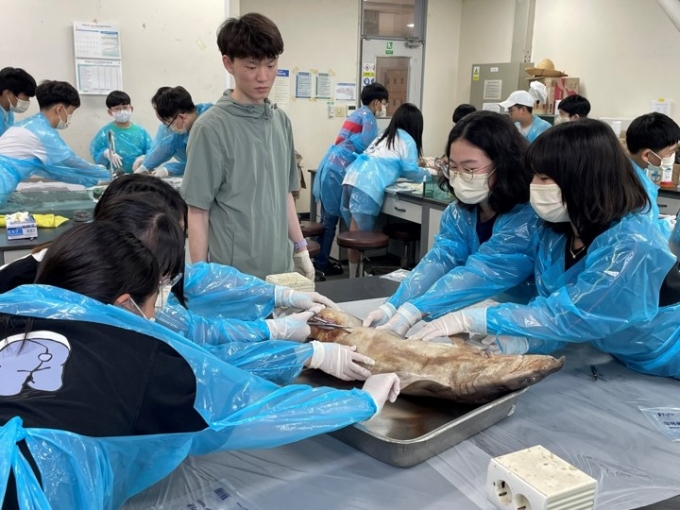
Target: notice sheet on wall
98,58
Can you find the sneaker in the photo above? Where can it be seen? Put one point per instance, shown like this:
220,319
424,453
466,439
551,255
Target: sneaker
332,270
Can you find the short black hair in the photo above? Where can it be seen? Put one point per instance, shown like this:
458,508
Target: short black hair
154,98
372,92
530,109
409,118
51,92
597,179
102,261
172,102
575,105
462,110
654,131
117,98
498,137
250,36
17,81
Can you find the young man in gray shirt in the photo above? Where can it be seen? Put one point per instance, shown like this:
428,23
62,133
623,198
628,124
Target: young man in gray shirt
241,169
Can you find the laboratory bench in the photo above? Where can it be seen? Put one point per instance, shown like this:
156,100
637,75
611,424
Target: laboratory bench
401,204
592,423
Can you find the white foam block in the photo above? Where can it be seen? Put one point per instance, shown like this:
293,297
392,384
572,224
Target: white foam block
537,479
293,280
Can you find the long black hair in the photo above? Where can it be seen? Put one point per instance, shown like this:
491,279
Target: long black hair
134,183
102,261
501,141
146,216
598,182
408,118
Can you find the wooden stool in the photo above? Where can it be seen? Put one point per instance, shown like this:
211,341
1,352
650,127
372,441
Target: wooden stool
311,228
362,241
409,234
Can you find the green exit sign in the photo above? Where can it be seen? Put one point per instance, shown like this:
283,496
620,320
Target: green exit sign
389,48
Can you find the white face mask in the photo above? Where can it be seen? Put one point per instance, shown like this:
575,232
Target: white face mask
21,106
472,191
560,119
546,199
122,116
175,131
64,124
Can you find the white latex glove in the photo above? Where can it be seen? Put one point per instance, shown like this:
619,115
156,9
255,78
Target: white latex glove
138,162
142,170
382,387
406,317
505,344
432,170
113,158
303,264
160,172
450,324
379,316
292,327
340,361
285,296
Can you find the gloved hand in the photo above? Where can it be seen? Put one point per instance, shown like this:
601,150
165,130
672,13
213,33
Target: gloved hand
450,324
406,317
292,327
138,162
285,296
381,387
303,264
340,361
379,316
160,172
142,170
505,344
113,158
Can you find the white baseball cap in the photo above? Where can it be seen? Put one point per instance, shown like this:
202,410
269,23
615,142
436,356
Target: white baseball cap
518,97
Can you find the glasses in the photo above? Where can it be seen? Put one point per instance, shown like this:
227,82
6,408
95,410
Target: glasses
122,108
465,173
168,124
171,281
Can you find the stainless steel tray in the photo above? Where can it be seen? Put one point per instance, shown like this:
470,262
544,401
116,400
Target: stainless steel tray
415,429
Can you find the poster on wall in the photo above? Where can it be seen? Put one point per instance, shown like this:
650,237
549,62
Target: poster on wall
492,90
280,93
345,91
367,73
303,84
323,86
98,58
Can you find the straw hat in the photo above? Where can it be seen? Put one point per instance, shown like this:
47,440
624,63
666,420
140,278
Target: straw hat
544,69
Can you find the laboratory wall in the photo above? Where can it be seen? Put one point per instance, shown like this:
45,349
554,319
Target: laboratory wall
441,72
486,28
164,42
625,51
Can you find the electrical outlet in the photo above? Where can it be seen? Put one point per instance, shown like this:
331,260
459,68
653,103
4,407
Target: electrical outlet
340,111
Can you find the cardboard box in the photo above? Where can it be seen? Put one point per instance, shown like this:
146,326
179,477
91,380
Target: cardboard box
557,89
676,178
21,226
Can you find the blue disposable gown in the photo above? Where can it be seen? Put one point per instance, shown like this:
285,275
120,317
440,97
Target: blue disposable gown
609,298
538,125
6,120
174,145
328,181
62,164
216,290
653,193
458,271
371,175
130,143
242,411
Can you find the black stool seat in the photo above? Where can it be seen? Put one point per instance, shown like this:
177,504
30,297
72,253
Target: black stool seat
311,228
403,231
313,248
362,241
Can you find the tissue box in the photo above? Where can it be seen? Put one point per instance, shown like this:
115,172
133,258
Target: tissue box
21,226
